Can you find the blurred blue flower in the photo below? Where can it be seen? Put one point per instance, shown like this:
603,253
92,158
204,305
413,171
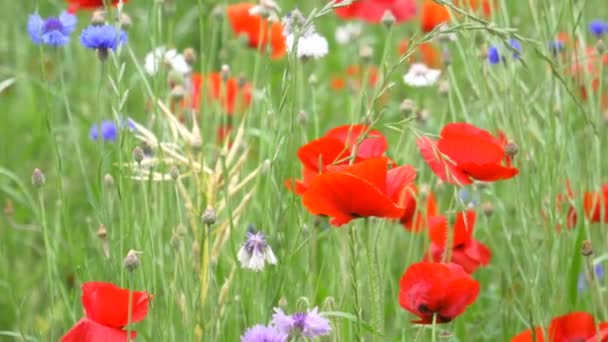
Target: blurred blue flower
260,333
109,131
463,195
597,28
493,55
582,277
51,31
556,47
516,45
102,37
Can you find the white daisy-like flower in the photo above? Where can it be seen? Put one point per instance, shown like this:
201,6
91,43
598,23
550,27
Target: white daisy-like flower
255,252
311,45
347,33
160,55
421,75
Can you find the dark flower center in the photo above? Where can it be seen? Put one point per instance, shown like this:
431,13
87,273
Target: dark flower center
52,24
426,311
299,320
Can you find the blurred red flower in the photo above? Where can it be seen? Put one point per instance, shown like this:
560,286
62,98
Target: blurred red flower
364,189
336,148
486,5
441,289
567,199
353,78
258,31
464,153
573,327
373,10
466,251
596,202
426,53
75,5
433,15
417,220
106,309
234,98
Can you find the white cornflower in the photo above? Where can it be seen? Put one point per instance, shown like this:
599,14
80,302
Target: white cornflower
347,33
255,252
266,9
160,55
309,46
420,75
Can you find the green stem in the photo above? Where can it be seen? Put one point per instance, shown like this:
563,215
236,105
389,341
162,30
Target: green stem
354,255
434,332
130,312
374,277
49,258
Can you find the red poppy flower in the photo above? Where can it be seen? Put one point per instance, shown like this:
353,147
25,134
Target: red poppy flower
486,5
418,220
426,53
373,10
466,251
258,31
441,289
596,202
75,5
363,189
567,199
232,97
464,153
336,148
106,309
573,327
433,15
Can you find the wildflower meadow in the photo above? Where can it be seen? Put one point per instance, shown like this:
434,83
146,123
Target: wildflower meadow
303,170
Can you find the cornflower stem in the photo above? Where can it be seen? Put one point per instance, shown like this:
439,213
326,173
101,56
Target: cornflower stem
49,257
130,312
354,255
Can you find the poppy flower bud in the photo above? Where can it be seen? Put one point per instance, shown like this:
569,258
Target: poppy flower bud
178,92
9,210
125,21
189,56
388,19
174,173
487,209
241,81
302,116
98,17
366,53
138,154
444,88
225,72
131,261
422,116
102,232
586,248
209,217
108,180
38,178
407,107
511,149
283,302
600,47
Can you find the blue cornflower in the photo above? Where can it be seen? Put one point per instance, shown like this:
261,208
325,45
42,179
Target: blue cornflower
597,28
102,38
556,47
582,277
109,131
514,43
51,31
309,323
493,55
260,333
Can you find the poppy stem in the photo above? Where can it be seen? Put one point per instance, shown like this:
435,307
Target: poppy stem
353,246
434,331
49,262
130,307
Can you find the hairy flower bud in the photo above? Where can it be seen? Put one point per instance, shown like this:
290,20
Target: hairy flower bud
38,178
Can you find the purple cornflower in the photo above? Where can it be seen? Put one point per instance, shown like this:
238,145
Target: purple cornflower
516,46
109,131
102,38
260,333
493,55
51,31
597,28
255,252
307,323
582,277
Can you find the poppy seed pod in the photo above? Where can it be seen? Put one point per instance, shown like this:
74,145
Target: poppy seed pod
38,178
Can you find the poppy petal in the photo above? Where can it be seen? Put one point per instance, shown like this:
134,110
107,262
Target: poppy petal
107,304
444,169
374,144
87,330
465,143
527,336
399,180
575,326
319,153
